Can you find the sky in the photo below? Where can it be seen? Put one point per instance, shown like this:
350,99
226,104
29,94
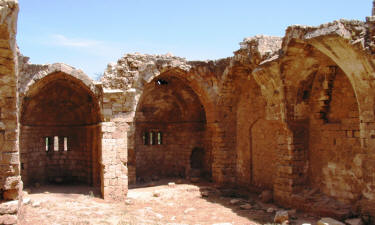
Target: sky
89,34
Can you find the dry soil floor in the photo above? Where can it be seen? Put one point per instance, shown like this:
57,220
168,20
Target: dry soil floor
159,204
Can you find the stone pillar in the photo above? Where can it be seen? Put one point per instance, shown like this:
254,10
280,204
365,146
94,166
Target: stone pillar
10,180
283,182
373,8
114,174
218,156
223,157
224,137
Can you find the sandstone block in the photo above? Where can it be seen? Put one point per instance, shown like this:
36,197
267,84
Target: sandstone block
9,207
8,219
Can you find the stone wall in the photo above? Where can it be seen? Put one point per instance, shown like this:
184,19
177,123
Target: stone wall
10,182
301,104
170,109
172,157
334,142
78,163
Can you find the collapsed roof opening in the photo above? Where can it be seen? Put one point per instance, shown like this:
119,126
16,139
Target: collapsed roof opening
161,82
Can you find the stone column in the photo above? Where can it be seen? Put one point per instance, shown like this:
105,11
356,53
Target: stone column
113,160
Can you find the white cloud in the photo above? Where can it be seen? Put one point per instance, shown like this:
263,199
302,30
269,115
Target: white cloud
61,40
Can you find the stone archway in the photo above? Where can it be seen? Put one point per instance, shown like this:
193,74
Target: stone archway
170,122
323,113
60,138
334,136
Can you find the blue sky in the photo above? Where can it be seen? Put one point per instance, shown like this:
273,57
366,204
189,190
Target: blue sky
88,34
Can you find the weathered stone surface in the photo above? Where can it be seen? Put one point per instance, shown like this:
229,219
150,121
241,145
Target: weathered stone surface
8,219
9,207
10,183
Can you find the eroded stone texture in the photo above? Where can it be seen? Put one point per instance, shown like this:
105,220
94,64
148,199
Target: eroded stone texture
10,182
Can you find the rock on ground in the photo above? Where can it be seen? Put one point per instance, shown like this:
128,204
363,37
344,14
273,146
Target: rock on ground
329,221
281,216
245,206
354,221
234,201
270,210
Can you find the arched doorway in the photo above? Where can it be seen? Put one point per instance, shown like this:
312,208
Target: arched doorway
170,123
60,134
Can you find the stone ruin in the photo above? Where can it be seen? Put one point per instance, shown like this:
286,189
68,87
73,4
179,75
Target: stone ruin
293,115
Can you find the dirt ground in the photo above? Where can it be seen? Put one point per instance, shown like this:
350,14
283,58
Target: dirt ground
173,204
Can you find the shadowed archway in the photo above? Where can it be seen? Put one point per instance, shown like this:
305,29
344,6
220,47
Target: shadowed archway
170,123
60,132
